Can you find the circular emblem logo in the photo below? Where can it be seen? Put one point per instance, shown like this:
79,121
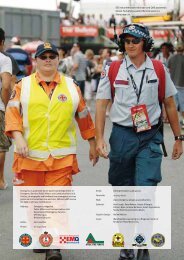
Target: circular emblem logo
45,239
118,240
158,240
139,239
25,240
62,98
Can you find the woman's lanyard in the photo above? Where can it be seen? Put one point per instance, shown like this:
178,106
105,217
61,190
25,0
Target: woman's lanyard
137,92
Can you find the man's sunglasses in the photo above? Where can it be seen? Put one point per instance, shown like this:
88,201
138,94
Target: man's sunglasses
45,57
134,41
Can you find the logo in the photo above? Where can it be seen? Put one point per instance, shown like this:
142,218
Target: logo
103,74
45,239
118,240
139,241
69,239
158,240
132,27
92,242
47,45
62,98
25,240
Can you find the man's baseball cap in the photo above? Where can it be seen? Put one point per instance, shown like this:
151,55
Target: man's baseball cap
46,47
136,30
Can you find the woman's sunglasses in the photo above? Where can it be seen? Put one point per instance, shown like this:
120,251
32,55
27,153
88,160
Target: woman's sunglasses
134,41
45,57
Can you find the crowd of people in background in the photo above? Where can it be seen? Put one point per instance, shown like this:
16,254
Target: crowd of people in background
86,66
92,20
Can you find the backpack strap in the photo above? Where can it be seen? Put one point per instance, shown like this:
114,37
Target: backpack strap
113,71
159,69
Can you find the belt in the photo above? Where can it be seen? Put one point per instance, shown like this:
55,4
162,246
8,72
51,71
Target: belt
131,127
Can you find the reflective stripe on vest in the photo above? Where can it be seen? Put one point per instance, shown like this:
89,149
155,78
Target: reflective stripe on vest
49,126
13,104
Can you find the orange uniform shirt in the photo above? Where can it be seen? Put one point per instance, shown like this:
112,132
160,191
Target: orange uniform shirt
14,122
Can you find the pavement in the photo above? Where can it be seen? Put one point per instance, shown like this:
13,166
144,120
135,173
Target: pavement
172,172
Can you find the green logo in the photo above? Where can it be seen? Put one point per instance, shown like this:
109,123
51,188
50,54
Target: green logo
92,242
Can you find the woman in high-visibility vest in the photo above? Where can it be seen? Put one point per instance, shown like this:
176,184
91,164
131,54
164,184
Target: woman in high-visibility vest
41,118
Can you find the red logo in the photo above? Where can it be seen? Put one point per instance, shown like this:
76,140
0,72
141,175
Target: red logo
25,240
45,239
69,239
62,98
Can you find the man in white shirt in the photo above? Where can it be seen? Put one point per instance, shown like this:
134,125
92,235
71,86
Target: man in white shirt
135,154
5,90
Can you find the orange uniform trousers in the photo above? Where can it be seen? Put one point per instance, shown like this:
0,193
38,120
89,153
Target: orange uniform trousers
61,177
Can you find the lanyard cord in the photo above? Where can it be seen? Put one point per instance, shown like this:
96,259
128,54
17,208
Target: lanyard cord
137,92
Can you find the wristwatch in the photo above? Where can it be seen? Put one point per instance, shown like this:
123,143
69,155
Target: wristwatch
179,137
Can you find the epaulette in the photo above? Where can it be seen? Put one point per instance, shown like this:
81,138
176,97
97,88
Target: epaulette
18,81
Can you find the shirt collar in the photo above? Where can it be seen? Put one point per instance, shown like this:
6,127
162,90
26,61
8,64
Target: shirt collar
146,65
57,78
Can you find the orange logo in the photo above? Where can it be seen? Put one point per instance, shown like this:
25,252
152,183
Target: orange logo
45,239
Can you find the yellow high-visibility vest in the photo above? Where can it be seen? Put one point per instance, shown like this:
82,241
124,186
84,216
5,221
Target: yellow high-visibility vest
49,126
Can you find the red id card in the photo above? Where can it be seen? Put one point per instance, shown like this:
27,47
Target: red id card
140,118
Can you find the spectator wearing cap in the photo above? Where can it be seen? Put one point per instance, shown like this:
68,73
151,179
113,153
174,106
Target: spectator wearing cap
79,66
21,56
166,49
176,68
48,103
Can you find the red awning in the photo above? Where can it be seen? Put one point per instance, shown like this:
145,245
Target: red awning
78,31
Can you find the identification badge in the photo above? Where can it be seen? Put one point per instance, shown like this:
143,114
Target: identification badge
140,118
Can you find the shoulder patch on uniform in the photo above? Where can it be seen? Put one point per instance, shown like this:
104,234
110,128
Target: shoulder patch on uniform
103,74
75,82
13,94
